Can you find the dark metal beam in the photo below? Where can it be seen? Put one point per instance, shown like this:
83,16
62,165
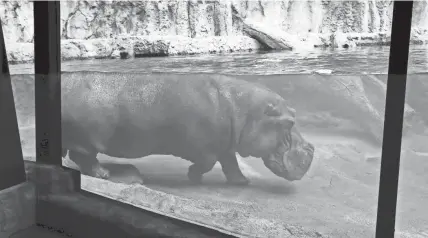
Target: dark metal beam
394,110
12,170
47,57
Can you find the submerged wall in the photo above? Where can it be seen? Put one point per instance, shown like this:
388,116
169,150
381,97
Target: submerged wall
168,27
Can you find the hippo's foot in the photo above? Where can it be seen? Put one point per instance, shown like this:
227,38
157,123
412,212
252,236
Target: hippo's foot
238,181
194,175
123,173
89,165
97,171
198,169
101,172
230,167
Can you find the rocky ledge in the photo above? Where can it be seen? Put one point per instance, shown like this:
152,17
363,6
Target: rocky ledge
135,46
126,46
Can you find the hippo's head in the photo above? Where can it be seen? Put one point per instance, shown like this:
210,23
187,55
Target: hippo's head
271,135
294,162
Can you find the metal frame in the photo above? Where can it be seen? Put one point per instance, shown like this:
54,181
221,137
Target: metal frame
47,64
48,105
394,111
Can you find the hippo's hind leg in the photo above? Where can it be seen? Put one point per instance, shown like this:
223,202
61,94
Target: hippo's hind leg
89,164
200,167
230,167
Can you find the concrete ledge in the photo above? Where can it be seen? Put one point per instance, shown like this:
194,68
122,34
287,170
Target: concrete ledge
62,205
227,218
118,210
17,208
88,215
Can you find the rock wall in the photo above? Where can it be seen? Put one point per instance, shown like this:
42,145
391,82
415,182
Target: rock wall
314,22
192,18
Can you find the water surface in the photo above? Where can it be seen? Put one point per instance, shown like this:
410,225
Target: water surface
367,60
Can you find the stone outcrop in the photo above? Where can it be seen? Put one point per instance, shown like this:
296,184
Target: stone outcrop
126,46
271,38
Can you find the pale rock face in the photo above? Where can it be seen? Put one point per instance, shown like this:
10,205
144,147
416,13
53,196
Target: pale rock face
17,21
104,19
286,24
20,52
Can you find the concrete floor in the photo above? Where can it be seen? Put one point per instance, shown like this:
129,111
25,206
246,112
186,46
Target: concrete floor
38,232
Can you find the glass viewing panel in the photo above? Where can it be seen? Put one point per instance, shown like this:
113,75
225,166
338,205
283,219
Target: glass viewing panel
207,106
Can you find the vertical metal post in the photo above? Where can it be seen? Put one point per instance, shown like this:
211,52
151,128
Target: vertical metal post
394,110
47,57
12,171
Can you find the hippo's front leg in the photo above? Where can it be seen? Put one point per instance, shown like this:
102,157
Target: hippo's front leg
230,167
200,167
89,164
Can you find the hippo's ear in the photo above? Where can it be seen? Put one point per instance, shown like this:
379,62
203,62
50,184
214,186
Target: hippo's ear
272,111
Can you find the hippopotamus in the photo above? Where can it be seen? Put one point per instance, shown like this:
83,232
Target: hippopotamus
202,118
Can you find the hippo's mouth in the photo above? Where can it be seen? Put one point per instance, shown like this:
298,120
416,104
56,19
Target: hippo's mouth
276,167
275,162
293,163
298,161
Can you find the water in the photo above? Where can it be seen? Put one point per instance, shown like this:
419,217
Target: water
367,60
337,197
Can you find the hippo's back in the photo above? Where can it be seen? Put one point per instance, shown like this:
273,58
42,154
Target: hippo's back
135,115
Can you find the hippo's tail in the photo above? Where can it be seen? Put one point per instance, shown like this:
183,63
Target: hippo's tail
64,153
